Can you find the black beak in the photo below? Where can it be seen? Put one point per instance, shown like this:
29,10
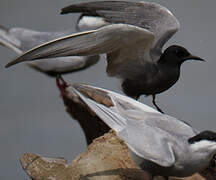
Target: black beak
192,57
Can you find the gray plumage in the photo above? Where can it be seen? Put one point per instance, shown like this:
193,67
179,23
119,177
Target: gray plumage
159,143
151,16
21,40
132,41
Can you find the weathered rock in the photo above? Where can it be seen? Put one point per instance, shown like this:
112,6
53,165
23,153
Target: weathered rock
107,158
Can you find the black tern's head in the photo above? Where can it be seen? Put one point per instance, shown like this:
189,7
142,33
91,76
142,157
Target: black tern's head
176,55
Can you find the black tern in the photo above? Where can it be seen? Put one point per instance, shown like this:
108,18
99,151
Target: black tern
159,144
21,39
132,39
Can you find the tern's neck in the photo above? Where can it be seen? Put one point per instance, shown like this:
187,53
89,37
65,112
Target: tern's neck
169,61
204,149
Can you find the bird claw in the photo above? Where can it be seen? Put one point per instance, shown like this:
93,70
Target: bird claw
61,84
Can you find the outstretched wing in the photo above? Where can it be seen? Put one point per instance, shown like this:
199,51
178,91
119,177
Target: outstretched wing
123,44
148,133
151,16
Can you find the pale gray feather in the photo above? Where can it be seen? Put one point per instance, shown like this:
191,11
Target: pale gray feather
26,39
154,17
108,115
149,134
114,40
21,40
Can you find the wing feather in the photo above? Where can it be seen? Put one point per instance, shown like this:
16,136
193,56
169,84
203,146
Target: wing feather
154,17
9,41
107,114
109,39
148,133
21,39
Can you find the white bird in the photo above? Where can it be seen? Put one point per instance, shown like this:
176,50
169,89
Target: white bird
132,40
21,40
159,144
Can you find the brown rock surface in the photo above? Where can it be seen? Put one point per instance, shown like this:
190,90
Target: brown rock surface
107,158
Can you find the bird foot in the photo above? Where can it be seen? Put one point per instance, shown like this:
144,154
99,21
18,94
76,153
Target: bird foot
61,84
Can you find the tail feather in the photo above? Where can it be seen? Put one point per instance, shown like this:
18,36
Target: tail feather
9,41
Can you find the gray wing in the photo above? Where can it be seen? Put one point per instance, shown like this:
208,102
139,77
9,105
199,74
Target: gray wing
167,123
141,114
63,65
151,135
21,40
107,113
25,39
9,41
114,40
143,135
150,143
151,16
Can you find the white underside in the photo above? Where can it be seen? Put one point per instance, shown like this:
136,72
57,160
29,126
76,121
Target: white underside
90,23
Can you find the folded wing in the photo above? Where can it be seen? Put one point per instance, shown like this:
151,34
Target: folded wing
148,133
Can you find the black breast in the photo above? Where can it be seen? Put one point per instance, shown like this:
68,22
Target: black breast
151,83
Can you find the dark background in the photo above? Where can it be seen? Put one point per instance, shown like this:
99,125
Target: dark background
32,115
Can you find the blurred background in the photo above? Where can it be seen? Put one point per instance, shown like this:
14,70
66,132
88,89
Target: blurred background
32,114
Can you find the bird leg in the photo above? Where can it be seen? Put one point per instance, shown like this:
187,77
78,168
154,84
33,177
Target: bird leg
61,84
153,101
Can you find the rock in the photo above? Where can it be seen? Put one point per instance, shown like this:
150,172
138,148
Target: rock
107,158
